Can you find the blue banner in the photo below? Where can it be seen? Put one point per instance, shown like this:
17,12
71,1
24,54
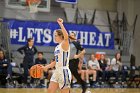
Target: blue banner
67,1
42,32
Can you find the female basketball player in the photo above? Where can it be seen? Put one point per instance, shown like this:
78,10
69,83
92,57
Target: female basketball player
61,77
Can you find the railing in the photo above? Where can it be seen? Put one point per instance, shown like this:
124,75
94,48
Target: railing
126,38
5,39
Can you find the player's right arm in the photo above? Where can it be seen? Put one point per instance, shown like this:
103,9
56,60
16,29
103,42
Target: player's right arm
51,65
65,43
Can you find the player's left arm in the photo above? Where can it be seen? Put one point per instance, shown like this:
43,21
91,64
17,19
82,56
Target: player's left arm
82,50
65,43
80,54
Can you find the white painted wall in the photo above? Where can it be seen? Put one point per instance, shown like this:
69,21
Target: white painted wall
24,14
109,5
95,4
126,6
137,32
131,8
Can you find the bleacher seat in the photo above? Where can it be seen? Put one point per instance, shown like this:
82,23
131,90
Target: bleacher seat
133,77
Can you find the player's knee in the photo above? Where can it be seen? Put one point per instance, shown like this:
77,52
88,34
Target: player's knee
51,90
67,90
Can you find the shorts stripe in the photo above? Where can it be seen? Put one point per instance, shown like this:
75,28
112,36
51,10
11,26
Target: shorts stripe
65,55
63,58
64,79
68,76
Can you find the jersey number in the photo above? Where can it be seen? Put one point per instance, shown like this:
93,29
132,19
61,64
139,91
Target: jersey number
56,58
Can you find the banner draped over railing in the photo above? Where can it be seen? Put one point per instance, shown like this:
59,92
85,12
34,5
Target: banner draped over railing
43,33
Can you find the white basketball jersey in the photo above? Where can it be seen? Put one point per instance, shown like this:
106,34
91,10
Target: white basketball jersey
61,57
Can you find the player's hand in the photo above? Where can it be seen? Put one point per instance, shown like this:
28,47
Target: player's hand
46,68
76,56
60,21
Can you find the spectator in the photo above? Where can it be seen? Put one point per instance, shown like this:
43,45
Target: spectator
29,51
124,73
116,64
93,67
105,68
42,61
5,68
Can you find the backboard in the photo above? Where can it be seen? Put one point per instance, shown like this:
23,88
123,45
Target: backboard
44,6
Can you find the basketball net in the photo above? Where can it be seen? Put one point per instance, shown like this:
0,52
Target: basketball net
33,4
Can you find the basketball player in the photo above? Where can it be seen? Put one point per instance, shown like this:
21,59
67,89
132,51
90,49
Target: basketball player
61,77
76,52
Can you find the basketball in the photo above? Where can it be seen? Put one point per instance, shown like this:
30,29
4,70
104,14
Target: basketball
36,71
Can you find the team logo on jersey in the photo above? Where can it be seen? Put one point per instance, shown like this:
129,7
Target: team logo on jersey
56,52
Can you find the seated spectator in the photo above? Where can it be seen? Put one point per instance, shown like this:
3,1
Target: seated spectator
5,68
93,67
116,64
42,61
124,74
105,68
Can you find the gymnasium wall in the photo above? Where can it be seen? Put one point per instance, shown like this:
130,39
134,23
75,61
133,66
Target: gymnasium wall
102,5
109,5
101,19
137,32
131,9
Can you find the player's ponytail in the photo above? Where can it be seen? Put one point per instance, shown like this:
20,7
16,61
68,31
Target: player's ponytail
71,38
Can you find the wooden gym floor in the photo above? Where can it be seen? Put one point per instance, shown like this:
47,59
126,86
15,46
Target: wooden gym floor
73,90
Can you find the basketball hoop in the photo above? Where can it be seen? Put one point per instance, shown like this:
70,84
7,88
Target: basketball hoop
33,4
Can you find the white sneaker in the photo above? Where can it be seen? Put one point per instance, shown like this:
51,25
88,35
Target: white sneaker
8,76
74,81
87,81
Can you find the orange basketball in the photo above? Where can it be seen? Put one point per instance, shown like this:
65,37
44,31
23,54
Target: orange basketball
36,71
